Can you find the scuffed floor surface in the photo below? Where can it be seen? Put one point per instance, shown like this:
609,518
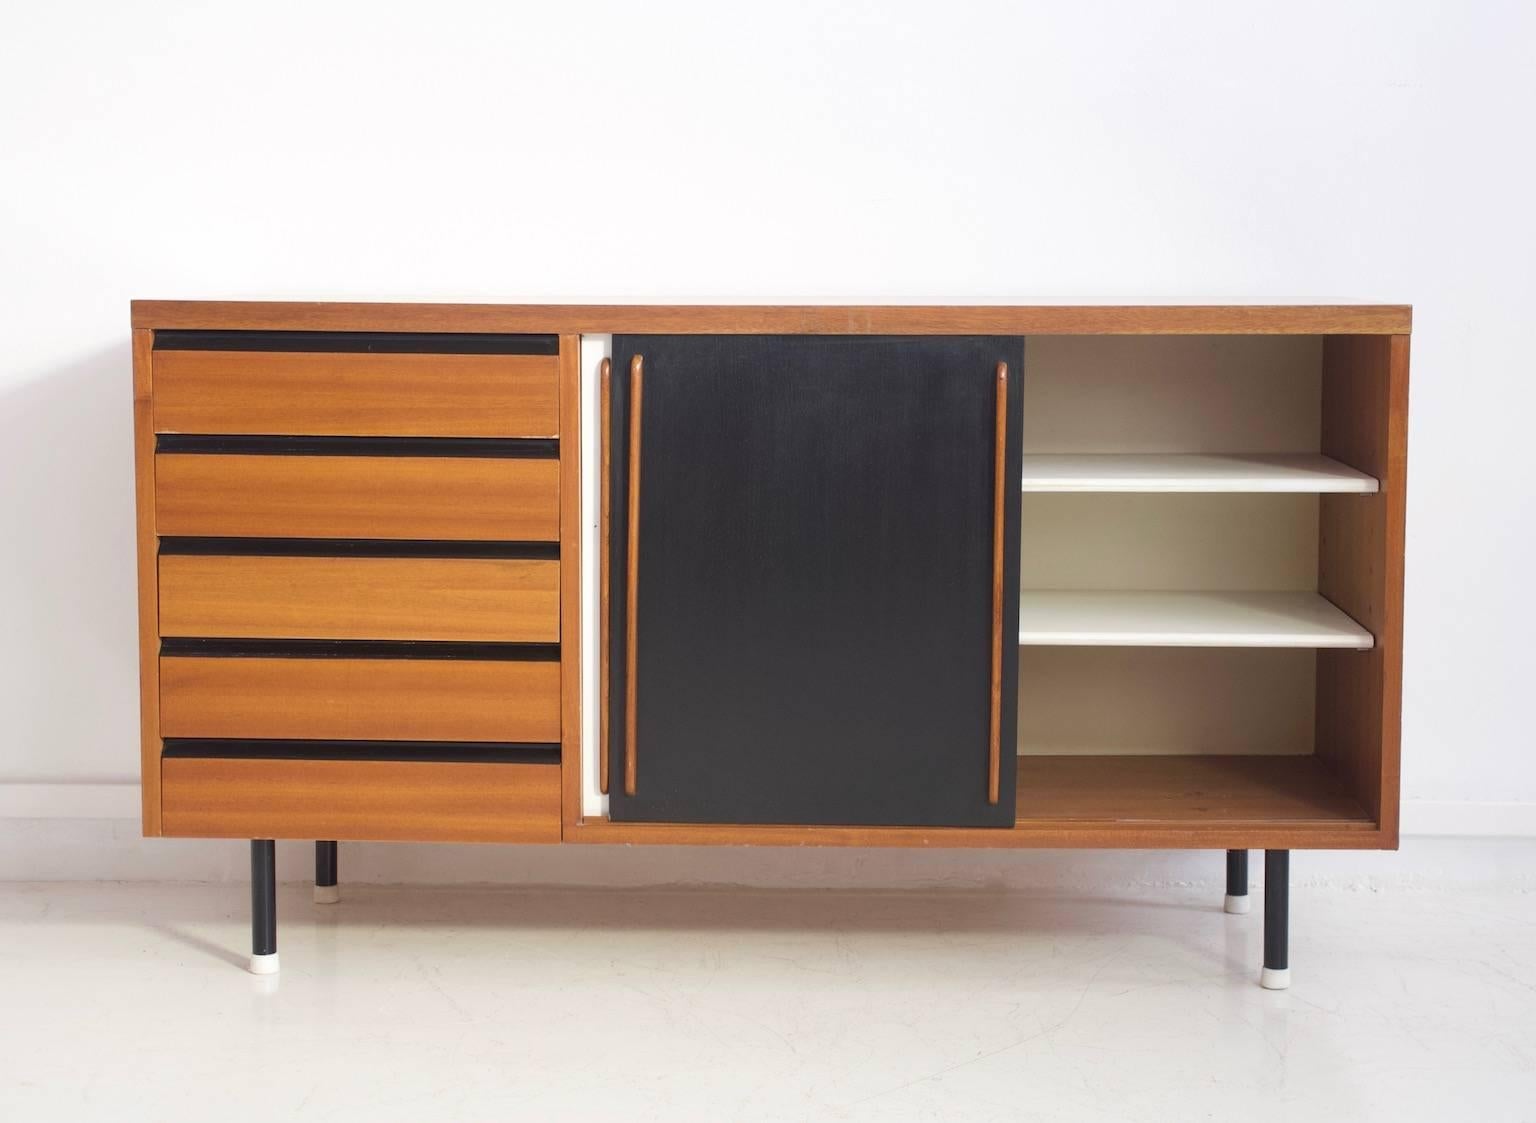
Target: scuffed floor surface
126,1002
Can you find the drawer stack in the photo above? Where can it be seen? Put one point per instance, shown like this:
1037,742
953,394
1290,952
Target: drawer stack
358,585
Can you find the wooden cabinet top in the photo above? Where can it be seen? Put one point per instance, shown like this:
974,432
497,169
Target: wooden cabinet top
786,319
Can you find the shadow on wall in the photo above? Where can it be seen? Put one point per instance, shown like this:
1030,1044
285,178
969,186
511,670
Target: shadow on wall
69,659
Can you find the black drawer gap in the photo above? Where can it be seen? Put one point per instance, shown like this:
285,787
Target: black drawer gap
442,752
369,342
219,648
356,548
479,448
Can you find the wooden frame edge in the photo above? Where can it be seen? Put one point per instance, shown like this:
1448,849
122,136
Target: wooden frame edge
1394,571
570,581
1361,547
1045,836
790,319
146,543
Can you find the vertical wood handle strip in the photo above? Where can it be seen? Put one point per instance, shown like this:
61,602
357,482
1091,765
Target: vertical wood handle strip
604,643
999,485
632,576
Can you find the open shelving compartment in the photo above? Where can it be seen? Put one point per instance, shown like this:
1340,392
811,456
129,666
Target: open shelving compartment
1210,609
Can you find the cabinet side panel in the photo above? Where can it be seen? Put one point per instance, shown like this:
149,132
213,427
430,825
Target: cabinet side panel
570,578
1360,567
149,600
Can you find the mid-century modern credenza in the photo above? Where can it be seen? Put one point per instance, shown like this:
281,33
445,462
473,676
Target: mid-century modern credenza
981,576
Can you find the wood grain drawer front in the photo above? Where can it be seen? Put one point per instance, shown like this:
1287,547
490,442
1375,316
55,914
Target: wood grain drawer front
467,599
350,394
360,699
360,800
357,497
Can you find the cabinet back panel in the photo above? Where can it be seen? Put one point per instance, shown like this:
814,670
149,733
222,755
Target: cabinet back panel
1177,542
1165,701
1098,393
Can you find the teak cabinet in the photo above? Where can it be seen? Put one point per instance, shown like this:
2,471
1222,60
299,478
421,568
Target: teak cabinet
895,576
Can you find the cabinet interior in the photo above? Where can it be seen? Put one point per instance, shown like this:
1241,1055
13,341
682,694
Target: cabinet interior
1172,394
1166,701
1136,419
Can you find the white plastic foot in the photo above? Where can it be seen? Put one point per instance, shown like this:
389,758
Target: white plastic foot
264,964
1237,906
327,894
1275,978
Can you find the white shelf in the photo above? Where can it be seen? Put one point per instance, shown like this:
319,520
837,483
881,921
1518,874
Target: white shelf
1158,619
1275,472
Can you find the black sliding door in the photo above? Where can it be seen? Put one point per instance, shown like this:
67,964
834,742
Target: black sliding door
813,636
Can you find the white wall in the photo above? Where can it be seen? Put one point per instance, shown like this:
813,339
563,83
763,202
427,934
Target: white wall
868,151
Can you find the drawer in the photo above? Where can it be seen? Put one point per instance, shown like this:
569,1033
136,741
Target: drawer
356,394
360,699
512,600
441,497
353,800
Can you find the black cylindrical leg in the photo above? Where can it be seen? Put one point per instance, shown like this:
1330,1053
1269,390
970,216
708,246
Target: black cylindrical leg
1277,919
1237,881
326,890
263,906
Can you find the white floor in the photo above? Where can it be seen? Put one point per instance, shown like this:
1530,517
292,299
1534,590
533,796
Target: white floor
126,1002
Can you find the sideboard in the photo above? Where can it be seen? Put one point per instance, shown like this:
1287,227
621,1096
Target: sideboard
912,576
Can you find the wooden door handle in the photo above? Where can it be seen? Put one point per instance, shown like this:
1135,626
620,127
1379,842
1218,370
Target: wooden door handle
632,576
604,660
999,485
